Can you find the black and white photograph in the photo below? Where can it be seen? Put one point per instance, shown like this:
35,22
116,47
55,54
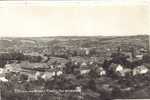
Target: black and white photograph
75,50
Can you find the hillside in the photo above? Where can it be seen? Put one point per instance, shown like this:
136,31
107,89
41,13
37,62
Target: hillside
98,41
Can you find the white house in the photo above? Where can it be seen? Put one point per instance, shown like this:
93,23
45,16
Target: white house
1,70
47,75
102,71
119,68
59,73
2,75
3,79
140,70
83,64
139,57
8,68
84,70
78,88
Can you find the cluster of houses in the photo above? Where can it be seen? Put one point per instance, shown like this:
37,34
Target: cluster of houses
56,66
50,67
47,71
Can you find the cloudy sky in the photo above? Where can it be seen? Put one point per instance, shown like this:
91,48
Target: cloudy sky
76,19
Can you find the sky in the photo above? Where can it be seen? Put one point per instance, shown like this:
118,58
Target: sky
27,20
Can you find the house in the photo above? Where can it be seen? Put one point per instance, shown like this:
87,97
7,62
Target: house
123,71
62,65
87,51
1,70
114,68
12,68
140,70
84,70
31,77
47,75
120,70
101,71
84,64
58,73
91,62
8,68
78,88
3,79
2,75
139,57
37,74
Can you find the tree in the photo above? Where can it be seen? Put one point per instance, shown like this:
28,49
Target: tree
93,73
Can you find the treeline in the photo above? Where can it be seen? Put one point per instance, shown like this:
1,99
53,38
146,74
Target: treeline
16,56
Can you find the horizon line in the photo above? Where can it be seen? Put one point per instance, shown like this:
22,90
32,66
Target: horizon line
74,36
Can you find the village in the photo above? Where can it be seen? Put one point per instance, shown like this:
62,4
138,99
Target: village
117,70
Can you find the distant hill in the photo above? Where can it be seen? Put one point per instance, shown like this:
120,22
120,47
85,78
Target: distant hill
76,41
6,43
